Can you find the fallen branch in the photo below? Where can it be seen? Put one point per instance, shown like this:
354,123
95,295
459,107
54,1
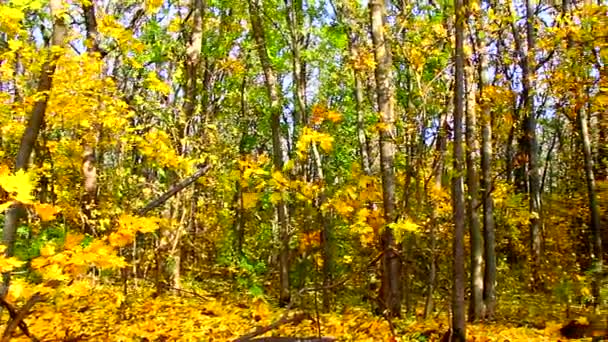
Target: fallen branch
297,318
20,316
192,293
293,339
174,190
12,311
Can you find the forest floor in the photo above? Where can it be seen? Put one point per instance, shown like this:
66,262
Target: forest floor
196,315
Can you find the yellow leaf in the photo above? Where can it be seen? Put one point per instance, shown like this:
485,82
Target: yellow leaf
18,185
15,45
153,5
9,264
276,197
78,288
157,85
334,116
47,250
46,212
278,178
325,141
4,206
72,241
250,199
121,238
54,272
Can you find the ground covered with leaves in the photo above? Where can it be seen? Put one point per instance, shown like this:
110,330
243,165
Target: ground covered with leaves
195,315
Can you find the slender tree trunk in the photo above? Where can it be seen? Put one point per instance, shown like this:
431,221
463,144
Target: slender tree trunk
277,146
89,200
239,224
509,160
363,153
489,275
193,60
458,280
528,143
429,304
33,127
596,253
440,150
602,153
532,148
294,21
391,283
326,236
90,158
346,18
472,156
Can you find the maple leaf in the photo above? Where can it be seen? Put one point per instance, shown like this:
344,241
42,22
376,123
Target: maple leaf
8,264
18,185
46,212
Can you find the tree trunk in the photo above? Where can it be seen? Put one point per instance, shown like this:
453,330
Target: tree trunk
34,125
602,153
294,21
596,253
532,149
489,275
89,200
391,284
528,144
458,281
363,153
472,156
277,147
193,61
346,18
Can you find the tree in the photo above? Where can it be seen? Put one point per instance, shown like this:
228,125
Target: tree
34,125
391,265
489,274
458,305
277,147
472,156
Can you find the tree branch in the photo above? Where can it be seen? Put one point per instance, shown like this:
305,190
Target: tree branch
174,190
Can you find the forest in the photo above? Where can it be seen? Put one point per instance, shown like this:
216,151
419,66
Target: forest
303,170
